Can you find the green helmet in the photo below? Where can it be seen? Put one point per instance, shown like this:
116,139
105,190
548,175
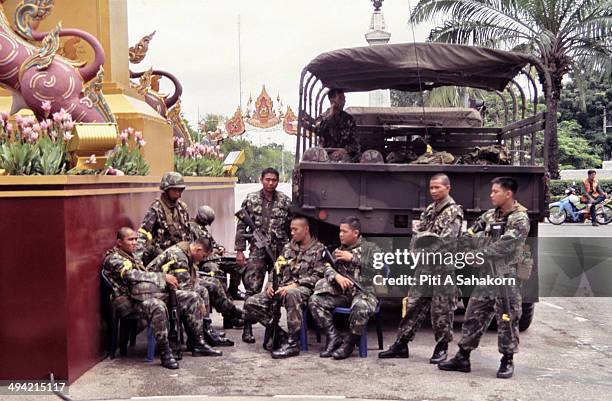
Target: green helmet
205,215
172,180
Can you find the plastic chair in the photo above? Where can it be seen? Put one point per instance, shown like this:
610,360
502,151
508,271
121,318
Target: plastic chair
304,329
363,344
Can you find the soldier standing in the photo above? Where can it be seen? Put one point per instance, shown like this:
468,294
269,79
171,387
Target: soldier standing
303,267
353,258
167,220
442,220
145,293
336,128
180,260
269,210
504,231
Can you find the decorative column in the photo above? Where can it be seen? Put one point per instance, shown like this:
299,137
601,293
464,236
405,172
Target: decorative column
378,35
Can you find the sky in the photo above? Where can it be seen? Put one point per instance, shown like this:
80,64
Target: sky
197,40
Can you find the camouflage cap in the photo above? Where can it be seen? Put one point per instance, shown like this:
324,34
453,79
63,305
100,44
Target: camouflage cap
205,215
172,180
315,154
372,156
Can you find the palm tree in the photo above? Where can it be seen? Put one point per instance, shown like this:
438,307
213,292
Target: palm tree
566,35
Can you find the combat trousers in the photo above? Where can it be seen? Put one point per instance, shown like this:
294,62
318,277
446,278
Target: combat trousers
259,308
482,307
218,295
363,306
255,272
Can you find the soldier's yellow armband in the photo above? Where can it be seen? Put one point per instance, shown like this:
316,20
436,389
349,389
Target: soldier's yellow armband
471,232
280,262
127,265
167,266
146,233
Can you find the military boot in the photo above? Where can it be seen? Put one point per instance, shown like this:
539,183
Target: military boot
347,347
399,349
165,354
291,348
247,333
233,319
332,342
200,348
284,336
440,353
235,293
506,367
460,363
213,338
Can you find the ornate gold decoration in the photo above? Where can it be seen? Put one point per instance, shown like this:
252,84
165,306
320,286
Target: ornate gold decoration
91,139
69,51
29,13
45,55
235,125
264,115
144,82
139,50
289,122
93,93
175,118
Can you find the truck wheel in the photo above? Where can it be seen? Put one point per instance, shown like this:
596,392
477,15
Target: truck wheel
527,316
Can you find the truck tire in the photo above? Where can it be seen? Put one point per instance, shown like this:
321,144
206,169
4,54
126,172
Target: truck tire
527,316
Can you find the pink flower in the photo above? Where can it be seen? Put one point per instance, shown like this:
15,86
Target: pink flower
124,136
34,136
111,171
130,131
138,136
141,143
221,155
57,117
68,125
46,106
18,119
27,131
43,125
9,127
67,136
37,127
30,120
92,160
53,134
4,115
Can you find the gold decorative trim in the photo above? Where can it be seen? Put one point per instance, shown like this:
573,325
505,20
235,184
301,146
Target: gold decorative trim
92,191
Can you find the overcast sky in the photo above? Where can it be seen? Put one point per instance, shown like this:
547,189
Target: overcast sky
197,40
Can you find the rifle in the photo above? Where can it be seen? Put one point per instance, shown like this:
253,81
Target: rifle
173,333
273,331
257,238
341,270
497,230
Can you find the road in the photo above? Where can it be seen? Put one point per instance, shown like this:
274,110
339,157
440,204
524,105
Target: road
565,355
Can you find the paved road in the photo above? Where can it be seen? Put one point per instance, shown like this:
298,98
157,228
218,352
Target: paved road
565,355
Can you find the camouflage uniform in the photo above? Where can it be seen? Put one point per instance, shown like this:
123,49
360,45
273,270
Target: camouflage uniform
143,292
272,218
304,267
177,261
165,224
486,302
443,219
328,294
338,131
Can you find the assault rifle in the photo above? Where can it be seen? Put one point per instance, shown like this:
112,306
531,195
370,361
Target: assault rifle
274,333
257,238
497,230
173,333
341,270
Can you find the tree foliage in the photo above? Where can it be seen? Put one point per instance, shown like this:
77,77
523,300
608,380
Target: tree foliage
258,158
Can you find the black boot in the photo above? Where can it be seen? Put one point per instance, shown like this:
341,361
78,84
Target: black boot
291,348
399,349
167,359
284,336
460,363
347,347
440,353
233,319
332,343
506,367
247,333
235,293
213,338
200,348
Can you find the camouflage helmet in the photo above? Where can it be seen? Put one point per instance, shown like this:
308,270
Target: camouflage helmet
205,215
340,156
372,156
172,180
315,154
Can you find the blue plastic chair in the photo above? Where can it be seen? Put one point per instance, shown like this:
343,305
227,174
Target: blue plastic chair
304,329
363,344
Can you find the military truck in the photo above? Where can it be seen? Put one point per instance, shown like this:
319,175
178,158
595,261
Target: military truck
389,197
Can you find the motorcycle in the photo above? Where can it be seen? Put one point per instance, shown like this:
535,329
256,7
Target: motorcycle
571,209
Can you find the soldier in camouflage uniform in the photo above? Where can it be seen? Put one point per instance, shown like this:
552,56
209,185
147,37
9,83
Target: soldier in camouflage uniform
212,264
442,221
180,260
144,292
353,258
500,235
269,210
167,220
303,265
336,128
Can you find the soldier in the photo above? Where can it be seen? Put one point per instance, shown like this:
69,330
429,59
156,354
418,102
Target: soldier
212,264
269,210
353,258
442,221
167,220
180,260
304,267
336,128
503,231
145,293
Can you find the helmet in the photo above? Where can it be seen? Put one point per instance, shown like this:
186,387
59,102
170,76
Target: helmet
315,154
172,180
205,215
372,156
